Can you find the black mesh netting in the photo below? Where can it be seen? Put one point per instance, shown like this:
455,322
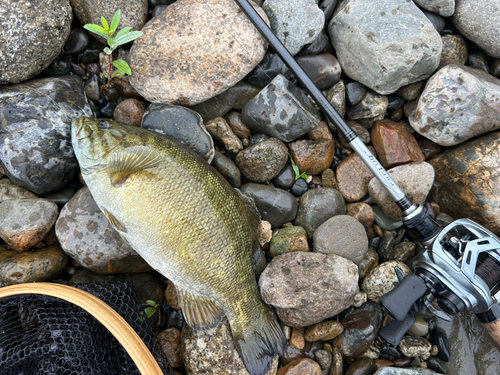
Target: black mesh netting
46,335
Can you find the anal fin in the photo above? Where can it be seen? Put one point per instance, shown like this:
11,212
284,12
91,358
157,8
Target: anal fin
200,312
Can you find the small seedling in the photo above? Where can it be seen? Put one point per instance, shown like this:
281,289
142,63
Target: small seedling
151,309
296,170
123,36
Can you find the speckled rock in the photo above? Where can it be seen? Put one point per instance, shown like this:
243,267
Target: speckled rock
288,17
371,106
263,161
301,366
130,112
353,177
312,156
454,47
414,346
403,251
337,367
320,132
381,279
287,240
307,288
317,206
31,266
227,169
10,191
415,179
170,341
212,352
336,97
220,130
362,212
33,33
327,330
342,235
186,54
297,337
85,234
237,125
181,124
35,145
369,262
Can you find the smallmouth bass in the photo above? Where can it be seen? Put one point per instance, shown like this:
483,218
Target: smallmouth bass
188,223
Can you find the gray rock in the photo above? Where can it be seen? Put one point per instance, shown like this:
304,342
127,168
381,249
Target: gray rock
181,124
324,358
270,66
336,96
444,8
355,91
477,20
386,248
92,87
372,105
10,191
437,21
32,32
212,352
35,137
383,221
227,169
307,288
220,130
384,45
25,222
381,279
342,235
85,234
263,161
286,178
406,371
281,110
414,346
415,179
324,70
457,103
275,205
288,17
420,328
186,54
317,206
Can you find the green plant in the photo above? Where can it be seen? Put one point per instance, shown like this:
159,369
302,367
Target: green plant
296,170
150,310
123,36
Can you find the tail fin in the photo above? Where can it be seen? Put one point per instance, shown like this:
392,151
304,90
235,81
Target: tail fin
258,343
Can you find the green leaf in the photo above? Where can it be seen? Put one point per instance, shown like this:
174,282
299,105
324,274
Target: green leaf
107,51
105,24
149,311
304,176
124,39
123,66
115,22
122,32
96,29
151,303
118,73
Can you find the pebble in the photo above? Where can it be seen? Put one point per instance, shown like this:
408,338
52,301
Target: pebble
336,97
362,212
454,47
411,92
353,177
285,178
301,366
258,138
355,92
297,337
8,190
371,106
227,169
324,70
436,364
312,156
170,342
307,288
300,187
77,41
157,10
220,131
324,359
429,148
324,331
369,262
361,132
237,125
320,45
171,296
108,110
439,339
386,248
130,112
275,205
320,132
381,279
328,179
361,366
288,332
337,367
263,161
404,251
125,88
265,232
478,60
444,8
175,319
317,206
267,70
287,240
291,354
414,346
420,328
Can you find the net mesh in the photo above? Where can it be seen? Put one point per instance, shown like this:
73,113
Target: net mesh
46,335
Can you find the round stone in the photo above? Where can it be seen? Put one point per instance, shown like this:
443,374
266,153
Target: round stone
381,279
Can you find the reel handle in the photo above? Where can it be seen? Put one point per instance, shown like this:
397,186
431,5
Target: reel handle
395,330
398,302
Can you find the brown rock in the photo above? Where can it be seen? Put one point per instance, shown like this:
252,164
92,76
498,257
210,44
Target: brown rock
220,130
324,331
353,177
95,68
337,367
302,366
171,296
394,144
362,212
239,128
381,363
123,86
429,148
170,341
360,131
454,47
495,68
291,354
372,105
312,156
411,92
297,339
328,179
130,112
320,132
397,115
361,366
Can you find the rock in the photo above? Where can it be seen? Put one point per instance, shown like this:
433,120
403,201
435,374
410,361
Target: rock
420,328
437,21
355,92
429,148
31,266
405,371
267,70
237,125
10,191
381,279
25,222
77,41
181,124
384,34
312,156
307,288
300,187
287,240
297,337
361,366
444,8
227,169
186,54
414,346
403,251
342,235
91,87
383,221
170,341
301,366
212,352
35,138
336,97
288,17
171,296
476,21
285,178
323,70
436,364
324,359
281,110
320,45
263,161
130,112
438,339
478,60
328,179
362,212
317,206
85,234
454,47
275,205
415,179
495,68
291,354
371,106
361,132
124,87
327,330
33,34
220,130
320,132
353,177
457,103
411,92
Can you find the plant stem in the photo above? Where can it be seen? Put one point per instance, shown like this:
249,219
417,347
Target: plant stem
109,69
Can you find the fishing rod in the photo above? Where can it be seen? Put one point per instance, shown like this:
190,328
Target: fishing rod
459,266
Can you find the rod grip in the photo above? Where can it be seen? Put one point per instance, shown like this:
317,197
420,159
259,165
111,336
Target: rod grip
493,329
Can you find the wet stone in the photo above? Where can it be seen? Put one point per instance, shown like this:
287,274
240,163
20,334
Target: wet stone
353,177
130,112
362,212
302,366
324,331
361,132
360,299
381,279
420,328
386,248
77,41
403,251
263,161
236,123
454,47
108,110
297,337
328,179
258,138
355,92
320,45
439,339
170,341
323,358
369,262
285,179
362,366
312,156
291,354
125,88
227,169
436,364
8,190
267,70
323,70
287,240
372,105
383,221
175,319
299,188
320,132
337,367
221,132
414,346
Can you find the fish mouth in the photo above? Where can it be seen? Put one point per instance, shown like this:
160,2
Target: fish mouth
82,130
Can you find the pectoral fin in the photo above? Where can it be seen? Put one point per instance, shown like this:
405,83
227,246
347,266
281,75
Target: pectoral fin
200,312
113,221
133,159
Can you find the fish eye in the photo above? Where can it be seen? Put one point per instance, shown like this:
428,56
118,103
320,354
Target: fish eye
104,125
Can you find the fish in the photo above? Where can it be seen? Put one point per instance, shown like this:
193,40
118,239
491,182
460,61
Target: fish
187,222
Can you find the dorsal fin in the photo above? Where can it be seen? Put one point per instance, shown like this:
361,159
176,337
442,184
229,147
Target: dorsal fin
200,312
133,159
